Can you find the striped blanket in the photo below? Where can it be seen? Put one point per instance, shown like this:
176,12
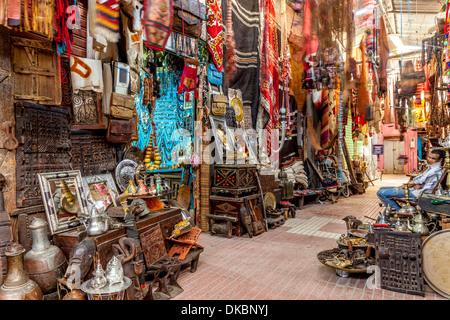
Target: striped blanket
106,15
246,26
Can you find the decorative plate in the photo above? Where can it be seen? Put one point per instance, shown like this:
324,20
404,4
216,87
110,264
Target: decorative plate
125,172
270,201
236,104
135,154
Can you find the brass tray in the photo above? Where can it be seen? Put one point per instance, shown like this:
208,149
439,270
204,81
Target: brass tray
325,255
270,201
436,262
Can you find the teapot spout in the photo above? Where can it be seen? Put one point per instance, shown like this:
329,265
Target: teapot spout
408,225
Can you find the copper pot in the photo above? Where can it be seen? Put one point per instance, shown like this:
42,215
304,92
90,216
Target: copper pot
45,263
17,284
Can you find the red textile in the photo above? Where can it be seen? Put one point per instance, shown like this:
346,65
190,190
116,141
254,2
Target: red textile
158,17
214,32
270,71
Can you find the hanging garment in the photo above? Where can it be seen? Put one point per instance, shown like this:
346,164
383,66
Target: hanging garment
214,32
158,16
246,27
104,19
270,72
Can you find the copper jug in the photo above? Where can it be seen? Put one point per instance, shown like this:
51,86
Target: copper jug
17,284
45,263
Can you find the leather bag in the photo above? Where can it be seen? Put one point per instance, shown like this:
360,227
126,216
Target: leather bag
214,76
120,131
191,14
122,106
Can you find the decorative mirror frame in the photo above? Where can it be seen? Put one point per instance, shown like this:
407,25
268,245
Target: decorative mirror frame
106,178
50,211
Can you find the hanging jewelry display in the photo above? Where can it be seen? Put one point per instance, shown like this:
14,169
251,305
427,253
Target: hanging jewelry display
172,113
143,115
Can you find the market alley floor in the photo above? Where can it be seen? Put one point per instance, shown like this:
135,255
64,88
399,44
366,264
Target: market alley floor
281,264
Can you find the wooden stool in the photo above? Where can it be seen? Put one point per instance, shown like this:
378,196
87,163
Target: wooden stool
184,243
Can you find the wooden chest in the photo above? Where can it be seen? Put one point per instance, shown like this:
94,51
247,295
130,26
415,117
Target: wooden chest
235,180
230,206
167,219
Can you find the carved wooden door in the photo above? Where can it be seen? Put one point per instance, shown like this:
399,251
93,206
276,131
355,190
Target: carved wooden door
43,133
36,71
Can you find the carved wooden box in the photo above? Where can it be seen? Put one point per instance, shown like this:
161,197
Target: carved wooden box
234,180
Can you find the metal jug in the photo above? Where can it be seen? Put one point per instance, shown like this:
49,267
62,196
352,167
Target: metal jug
97,225
17,284
45,263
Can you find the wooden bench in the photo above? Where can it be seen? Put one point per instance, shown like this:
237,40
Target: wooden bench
301,198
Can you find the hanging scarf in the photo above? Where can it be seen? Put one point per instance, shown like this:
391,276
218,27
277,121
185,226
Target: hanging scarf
158,17
325,129
270,72
214,32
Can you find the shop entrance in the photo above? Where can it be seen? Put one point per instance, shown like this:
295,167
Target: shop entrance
392,150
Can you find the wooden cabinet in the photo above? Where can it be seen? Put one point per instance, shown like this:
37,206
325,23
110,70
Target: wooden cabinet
230,207
166,219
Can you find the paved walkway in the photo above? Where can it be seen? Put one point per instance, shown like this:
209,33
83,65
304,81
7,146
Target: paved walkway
281,264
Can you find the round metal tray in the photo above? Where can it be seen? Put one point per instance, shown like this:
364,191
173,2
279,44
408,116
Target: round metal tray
436,262
327,254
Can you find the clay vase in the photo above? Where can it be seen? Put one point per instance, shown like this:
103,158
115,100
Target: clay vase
45,263
17,284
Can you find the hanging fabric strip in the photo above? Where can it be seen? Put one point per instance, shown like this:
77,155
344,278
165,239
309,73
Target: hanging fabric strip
214,32
158,17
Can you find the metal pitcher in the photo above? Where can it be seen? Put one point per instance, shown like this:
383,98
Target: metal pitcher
97,225
419,225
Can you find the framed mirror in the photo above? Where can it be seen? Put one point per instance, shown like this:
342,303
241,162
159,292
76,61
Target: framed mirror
101,190
64,199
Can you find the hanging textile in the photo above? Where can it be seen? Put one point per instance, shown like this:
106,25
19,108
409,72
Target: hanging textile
63,38
363,94
230,43
246,27
384,57
325,129
104,19
214,32
38,16
270,73
14,11
158,17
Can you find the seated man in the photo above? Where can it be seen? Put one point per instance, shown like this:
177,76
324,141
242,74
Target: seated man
422,183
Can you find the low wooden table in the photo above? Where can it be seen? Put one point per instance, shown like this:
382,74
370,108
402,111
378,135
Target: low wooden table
166,218
301,198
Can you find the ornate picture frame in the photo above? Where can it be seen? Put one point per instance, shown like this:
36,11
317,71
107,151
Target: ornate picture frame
64,199
101,190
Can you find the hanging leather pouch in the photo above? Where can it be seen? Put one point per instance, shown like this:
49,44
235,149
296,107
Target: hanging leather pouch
120,131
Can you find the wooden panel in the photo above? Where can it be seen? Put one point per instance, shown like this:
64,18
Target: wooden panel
43,133
7,158
36,71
